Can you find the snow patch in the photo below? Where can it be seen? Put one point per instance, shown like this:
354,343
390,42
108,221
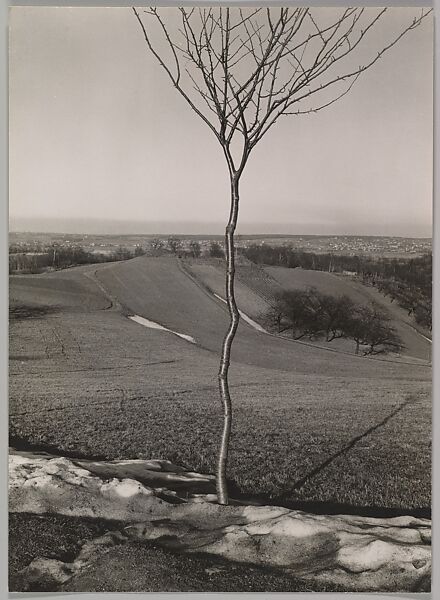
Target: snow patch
245,317
125,488
358,553
153,325
46,484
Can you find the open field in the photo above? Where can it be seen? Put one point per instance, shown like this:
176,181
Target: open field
311,425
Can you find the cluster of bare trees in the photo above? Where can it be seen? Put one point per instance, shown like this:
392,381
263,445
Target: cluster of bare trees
51,257
417,301
193,248
54,257
412,270
216,250
45,257
310,313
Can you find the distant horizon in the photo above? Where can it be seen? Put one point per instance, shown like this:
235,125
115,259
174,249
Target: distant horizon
130,228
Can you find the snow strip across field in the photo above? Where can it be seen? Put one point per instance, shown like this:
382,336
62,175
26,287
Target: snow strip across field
152,325
245,317
356,552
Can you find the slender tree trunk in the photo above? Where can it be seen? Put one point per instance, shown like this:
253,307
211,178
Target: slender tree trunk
222,490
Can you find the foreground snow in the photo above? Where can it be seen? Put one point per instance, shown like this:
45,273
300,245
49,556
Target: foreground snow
359,553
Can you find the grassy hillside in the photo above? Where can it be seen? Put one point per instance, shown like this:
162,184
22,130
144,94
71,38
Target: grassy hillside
302,279
414,344
160,290
211,273
256,286
61,290
310,425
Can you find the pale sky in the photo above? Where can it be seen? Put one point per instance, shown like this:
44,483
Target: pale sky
97,132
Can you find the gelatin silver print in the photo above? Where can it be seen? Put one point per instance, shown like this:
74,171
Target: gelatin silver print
220,298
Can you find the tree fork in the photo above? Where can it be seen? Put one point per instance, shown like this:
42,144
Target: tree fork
222,489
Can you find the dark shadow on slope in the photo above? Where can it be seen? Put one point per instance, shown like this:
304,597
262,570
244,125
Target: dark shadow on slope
332,508
19,312
318,507
301,482
23,445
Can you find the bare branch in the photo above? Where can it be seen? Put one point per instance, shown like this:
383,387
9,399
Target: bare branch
251,66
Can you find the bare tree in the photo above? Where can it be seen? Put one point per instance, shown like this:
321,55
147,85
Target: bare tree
139,250
215,250
195,248
334,314
122,253
370,326
241,70
174,244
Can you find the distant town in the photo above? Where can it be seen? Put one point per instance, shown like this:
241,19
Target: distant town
336,244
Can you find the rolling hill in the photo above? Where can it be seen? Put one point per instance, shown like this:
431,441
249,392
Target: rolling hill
87,381
415,344
256,287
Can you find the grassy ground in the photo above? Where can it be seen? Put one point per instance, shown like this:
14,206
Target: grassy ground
309,425
67,290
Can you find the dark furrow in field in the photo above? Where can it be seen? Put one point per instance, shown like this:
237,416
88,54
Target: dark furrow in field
113,303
